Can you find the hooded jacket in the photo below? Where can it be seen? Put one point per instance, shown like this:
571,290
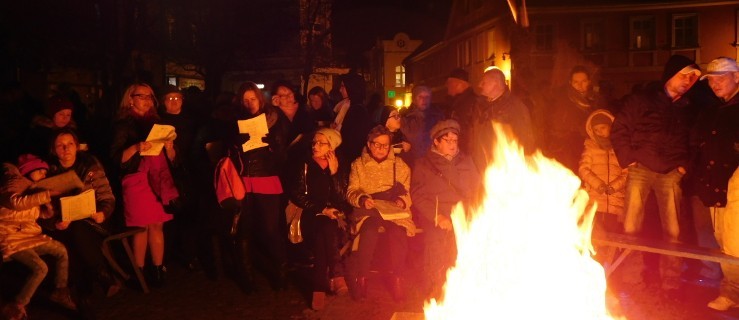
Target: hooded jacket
652,130
598,165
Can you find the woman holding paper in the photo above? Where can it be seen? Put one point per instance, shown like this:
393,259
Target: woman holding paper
147,182
378,190
256,141
84,237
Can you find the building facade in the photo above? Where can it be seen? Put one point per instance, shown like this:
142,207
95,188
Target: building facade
625,43
387,70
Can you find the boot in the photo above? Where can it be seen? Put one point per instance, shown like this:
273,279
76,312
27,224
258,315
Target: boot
63,297
158,276
111,284
396,289
244,277
358,288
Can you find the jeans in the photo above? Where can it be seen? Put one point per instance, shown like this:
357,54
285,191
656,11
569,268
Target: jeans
704,220
640,182
31,259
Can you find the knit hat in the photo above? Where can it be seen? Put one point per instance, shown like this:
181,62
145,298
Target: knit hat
385,114
460,74
27,163
600,118
443,127
58,103
681,64
333,136
720,66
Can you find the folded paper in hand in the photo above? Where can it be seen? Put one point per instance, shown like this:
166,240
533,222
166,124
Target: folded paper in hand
159,134
257,129
389,211
78,207
61,183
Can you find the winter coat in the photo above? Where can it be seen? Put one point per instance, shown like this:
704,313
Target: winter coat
92,174
416,126
315,188
717,135
653,131
19,210
507,110
599,165
368,176
438,184
567,124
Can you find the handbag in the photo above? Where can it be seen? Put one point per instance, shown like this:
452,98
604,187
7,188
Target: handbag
293,213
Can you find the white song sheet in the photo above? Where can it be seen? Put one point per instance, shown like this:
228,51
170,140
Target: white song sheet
257,129
389,211
78,207
159,134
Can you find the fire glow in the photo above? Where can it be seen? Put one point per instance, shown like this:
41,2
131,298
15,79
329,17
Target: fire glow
525,252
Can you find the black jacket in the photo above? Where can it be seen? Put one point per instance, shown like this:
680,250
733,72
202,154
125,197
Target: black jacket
653,131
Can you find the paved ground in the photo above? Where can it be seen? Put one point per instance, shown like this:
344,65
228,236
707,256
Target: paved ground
192,295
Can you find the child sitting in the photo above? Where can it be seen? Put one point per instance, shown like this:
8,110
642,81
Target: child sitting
603,178
21,239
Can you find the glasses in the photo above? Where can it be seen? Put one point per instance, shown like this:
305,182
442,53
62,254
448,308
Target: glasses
174,98
286,96
395,116
378,145
450,141
319,143
143,96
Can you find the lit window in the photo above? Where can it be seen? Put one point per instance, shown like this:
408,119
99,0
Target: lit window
592,35
399,76
685,31
642,32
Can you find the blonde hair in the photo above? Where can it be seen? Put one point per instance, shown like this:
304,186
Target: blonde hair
124,108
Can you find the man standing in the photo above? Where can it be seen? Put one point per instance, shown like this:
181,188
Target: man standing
717,138
462,104
496,103
650,137
417,122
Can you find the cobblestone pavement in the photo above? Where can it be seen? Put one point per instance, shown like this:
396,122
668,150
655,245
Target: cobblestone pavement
192,295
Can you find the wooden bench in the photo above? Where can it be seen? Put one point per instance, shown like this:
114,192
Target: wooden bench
631,243
108,254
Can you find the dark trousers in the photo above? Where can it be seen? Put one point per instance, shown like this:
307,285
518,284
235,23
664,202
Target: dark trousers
86,261
321,236
370,232
261,223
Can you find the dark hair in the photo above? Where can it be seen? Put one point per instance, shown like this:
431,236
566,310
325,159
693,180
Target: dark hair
377,131
321,93
249,86
355,87
579,69
281,83
57,134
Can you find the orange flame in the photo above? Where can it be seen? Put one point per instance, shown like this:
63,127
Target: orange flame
525,252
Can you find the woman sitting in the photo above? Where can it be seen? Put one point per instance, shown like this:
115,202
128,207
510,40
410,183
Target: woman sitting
21,238
85,237
441,179
319,190
378,189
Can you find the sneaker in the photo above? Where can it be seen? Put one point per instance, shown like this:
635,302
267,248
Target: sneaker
62,297
338,286
722,304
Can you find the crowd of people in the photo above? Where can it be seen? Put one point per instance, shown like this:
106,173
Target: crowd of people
363,180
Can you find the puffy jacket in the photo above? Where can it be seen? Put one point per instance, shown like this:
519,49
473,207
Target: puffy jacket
600,166
19,210
369,176
653,131
92,174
